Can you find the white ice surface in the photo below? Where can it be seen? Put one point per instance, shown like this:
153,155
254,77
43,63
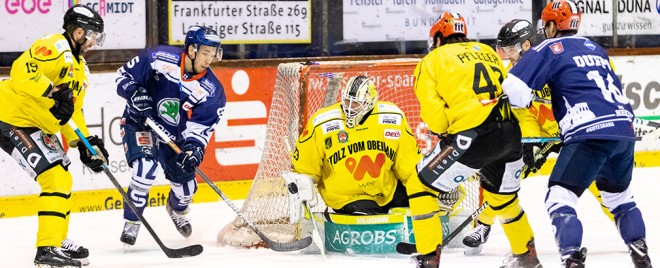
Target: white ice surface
99,231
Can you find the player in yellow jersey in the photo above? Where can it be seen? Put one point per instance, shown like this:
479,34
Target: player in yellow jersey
458,85
360,152
46,88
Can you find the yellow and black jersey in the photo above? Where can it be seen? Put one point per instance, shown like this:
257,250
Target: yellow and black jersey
457,86
24,96
360,163
537,120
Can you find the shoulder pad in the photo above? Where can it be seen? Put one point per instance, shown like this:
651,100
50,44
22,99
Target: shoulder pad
326,114
388,107
50,47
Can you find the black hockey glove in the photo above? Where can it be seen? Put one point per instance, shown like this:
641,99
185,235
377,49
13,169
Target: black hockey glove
93,162
140,105
190,157
534,157
63,107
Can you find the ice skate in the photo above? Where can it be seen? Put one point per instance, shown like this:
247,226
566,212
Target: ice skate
180,220
639,254
76,251
130,232
54,257
475,239
575,260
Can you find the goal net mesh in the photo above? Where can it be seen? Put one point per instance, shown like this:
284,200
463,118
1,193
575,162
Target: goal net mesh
300,90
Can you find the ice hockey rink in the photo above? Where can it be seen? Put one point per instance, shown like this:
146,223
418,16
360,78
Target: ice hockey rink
99,231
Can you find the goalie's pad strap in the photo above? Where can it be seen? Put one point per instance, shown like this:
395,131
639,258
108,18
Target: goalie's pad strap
421,194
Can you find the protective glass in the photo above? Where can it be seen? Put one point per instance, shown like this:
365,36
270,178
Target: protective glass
96,37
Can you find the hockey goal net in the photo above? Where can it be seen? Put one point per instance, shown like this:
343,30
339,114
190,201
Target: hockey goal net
300,90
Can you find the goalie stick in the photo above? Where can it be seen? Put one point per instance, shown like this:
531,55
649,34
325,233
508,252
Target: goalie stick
276,246
188,251
410,248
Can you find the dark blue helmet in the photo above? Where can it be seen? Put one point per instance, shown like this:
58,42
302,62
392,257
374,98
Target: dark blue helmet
202,35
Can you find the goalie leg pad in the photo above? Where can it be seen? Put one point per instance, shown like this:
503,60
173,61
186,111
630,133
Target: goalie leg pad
144,171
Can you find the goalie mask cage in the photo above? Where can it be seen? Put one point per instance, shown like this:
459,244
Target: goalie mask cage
300,90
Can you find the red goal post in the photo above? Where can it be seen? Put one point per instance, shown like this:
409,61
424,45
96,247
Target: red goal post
300,90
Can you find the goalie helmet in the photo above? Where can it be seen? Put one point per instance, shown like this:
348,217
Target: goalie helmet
203,36
447,24
511,37
81,16
358,98
564,13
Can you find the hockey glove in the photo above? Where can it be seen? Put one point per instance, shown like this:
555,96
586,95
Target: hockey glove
63,107
93,162
140,105
190,157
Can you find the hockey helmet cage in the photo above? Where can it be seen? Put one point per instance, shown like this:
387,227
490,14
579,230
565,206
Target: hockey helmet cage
358,98
565,13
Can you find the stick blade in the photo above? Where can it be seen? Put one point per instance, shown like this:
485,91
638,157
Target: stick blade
189,251
406,248
291,246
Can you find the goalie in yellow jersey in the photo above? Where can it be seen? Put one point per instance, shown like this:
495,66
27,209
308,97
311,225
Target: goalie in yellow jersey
458,85
46,88
360,153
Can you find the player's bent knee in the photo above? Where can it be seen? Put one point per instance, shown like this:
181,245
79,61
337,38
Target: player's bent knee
55,179
614,200
558,197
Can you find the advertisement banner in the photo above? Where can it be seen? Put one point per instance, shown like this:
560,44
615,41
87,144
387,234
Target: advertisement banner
24,21
634,17
410,20
244,22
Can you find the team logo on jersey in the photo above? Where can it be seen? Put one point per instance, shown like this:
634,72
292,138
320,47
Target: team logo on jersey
342,137
168,110
589,45
392,134
328,142
557,48
48,142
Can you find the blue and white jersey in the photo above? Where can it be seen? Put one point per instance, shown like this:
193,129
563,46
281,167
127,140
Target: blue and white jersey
587,99
188,107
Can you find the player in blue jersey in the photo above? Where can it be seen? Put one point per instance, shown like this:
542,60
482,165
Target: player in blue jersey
178,90
595,121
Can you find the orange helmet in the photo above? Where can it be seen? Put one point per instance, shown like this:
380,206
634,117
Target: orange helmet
565,13
447,24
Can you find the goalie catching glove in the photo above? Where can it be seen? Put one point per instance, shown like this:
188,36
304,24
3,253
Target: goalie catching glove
301,189
93,162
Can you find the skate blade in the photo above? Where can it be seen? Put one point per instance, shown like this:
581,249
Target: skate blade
50,266
126,247
83,261
470,251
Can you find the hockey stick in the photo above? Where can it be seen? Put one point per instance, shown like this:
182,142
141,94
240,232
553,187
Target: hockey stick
410,248
539,139
276,246
316,235
188,251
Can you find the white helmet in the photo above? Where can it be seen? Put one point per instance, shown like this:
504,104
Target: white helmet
358,98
